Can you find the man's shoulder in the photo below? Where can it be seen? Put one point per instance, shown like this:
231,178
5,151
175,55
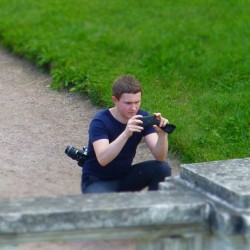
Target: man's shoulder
102,118
101,113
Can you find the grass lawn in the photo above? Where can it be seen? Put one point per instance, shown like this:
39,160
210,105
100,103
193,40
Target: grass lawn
193,58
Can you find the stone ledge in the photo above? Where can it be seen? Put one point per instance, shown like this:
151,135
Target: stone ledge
184,206
123,212
100,211
223,219
228,180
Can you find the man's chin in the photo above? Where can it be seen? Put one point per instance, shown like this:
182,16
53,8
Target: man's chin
131,115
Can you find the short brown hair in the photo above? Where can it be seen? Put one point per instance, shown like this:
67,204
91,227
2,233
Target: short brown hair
125,84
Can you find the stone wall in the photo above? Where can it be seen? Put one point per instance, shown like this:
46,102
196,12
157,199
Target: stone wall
206,207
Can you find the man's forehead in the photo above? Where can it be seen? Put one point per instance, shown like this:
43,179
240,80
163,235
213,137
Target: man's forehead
129,97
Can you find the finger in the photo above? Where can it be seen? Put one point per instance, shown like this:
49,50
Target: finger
134,128
131,121
137,116
158,116
164,122
135,120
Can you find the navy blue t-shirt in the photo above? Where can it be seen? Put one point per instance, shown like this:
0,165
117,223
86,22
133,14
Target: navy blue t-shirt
105,126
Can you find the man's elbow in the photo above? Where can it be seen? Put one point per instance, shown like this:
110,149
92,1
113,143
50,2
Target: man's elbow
102,162
161,158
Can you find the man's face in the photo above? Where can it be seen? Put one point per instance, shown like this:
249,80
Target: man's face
128,105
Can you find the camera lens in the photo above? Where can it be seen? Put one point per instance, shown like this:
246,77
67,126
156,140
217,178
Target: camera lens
71,152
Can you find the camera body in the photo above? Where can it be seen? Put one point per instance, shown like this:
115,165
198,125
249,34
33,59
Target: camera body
77,154
151,120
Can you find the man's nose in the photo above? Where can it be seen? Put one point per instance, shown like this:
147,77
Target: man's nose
133,106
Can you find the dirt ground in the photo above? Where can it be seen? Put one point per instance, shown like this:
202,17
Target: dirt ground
37,124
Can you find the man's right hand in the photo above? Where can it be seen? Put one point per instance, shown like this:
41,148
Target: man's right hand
134,125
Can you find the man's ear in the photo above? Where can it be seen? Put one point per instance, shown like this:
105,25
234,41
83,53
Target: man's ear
114,99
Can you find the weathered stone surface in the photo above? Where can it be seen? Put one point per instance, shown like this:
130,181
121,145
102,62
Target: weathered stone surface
229,180
226,185
224,219
228,220
101,211
211,210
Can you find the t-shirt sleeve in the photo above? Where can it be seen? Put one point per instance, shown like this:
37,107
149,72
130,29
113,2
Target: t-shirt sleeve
97,131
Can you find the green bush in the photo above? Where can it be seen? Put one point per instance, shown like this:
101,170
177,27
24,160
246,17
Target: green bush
193,58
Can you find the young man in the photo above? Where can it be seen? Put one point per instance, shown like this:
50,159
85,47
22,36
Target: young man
114,135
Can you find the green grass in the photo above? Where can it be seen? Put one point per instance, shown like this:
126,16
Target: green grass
193,58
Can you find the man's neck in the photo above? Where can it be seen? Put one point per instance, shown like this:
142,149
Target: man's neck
117,115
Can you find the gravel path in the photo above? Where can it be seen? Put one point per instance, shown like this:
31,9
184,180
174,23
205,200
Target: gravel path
37,124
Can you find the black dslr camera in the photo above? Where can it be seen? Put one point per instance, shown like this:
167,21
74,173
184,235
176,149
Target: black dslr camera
76,154
151,120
